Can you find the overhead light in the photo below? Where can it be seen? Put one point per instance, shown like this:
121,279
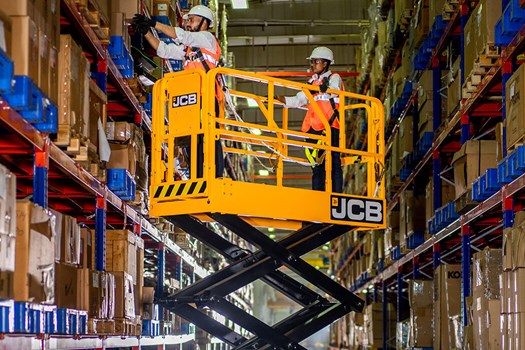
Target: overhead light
271,229
272,236
240,4
256,131
264,172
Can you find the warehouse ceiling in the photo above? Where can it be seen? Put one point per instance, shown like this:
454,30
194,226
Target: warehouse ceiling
280,34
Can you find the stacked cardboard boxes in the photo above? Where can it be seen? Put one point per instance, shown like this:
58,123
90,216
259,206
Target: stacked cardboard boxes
487,269
7,232
420,298
447,304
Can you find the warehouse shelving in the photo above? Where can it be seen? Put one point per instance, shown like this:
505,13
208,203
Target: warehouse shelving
478,227
20,141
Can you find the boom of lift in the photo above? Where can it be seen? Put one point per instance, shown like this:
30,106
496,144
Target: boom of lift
185,118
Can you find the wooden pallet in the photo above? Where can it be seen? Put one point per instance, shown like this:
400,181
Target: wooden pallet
484,62
96,18
124,326
101,326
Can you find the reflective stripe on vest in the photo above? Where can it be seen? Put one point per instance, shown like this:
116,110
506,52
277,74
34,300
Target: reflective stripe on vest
195,58
311,120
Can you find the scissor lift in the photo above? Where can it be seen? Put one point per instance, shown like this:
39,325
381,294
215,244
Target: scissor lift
184,116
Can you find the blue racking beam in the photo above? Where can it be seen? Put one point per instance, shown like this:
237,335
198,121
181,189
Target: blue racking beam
506,73
385,316
40,178
436,123
100,233
465,267
436,255
102,72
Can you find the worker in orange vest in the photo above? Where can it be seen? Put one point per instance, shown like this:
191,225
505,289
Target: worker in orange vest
320,61
198,48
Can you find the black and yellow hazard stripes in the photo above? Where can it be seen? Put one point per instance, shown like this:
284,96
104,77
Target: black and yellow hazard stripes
180,189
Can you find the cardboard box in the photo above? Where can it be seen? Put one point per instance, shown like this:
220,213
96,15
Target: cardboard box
453,88
121,252
87,249
470,37
7,26
420,331
406,136
447,303
67,287
471,161
415,222
73,96
486,15
420,21
67,240
19,8
420,294
7,232
124,295
35,254
25,53
119,131
123,157
128,7
518,294
448,194
400,8
97,112
515,107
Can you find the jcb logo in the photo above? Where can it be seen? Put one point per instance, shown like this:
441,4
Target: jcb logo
356,209
183,100
453,274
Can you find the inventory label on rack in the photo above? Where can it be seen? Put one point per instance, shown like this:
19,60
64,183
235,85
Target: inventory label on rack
346,208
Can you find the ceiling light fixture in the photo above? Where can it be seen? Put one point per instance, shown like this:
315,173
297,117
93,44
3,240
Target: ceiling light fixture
264,172
240,4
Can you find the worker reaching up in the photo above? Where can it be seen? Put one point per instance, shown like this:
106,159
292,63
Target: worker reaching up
320,61
197,47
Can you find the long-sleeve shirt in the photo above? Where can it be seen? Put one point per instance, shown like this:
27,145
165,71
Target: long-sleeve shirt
184,38
300,98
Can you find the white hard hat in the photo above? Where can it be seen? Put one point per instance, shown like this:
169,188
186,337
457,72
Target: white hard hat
322,52
203,11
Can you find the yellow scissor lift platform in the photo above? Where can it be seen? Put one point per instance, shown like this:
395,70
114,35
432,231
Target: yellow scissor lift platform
188,123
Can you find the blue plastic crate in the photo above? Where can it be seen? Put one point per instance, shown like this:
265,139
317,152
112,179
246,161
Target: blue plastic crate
50,318
82,317
491,184
509,27
7,69
148,105
50,126
415,239
396,253
516,162
28,318
502,173
116,48
501,39
514,12
476,193
380,265
25,96
150,328
430,226
121,183
163,19
67,321
7,316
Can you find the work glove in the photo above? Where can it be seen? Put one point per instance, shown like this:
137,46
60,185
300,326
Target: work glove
140,19
141,28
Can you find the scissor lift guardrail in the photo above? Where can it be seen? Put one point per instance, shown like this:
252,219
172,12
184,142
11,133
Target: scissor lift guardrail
187,117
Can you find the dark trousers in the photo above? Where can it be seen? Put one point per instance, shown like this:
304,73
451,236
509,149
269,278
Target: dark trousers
319,171
219,157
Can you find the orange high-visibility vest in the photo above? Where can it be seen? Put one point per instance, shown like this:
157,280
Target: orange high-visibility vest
312,120
202,58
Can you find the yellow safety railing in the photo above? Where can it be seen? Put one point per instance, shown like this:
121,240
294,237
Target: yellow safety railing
188,119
